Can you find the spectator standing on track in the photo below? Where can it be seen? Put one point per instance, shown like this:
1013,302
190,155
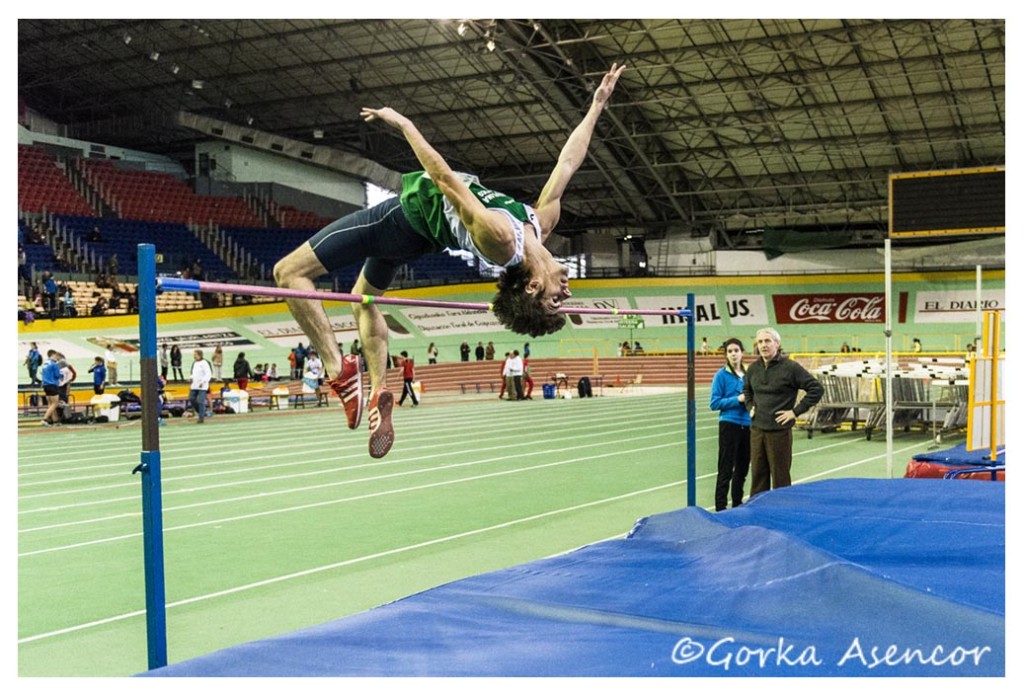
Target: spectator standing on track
300,360
489,351
68,375
33,361
527,379
357,350
315,371
164,361
110,360
432,354
51,388
770,392
733,427
242,372
464,351
408,375
515,372
176,373
202,373
99,375
291,363
217,363
506,385
480,350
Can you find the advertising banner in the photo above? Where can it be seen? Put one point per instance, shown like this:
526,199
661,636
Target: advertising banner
953,306
740,309
443,322
830,308
596,321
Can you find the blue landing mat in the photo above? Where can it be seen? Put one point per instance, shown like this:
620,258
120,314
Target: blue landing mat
851,577
961,456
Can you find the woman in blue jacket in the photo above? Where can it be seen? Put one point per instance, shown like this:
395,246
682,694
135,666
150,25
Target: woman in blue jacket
733,427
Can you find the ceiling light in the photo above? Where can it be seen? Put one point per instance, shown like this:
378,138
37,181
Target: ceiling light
175,69
127,39
318,134
228,103
462,29
490,44
154,55
197,84
249,120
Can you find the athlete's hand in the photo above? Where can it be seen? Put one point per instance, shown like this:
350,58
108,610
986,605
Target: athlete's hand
386,114
607,86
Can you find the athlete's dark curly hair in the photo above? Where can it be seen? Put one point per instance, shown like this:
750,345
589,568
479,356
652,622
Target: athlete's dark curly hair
519,311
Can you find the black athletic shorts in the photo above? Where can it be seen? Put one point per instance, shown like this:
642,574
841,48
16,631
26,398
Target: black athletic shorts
382,235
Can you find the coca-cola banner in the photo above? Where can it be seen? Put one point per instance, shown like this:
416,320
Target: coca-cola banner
830,308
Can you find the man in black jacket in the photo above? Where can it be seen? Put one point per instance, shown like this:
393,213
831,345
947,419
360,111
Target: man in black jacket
770,392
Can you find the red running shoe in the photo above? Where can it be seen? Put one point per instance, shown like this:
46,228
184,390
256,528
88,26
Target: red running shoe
348,385
382,432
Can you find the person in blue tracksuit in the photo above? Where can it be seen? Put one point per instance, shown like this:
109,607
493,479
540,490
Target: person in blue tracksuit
733,427
51,387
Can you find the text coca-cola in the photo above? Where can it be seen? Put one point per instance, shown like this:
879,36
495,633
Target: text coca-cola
838,308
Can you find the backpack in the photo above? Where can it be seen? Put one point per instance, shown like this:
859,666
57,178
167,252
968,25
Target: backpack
67,413
583,387
128,397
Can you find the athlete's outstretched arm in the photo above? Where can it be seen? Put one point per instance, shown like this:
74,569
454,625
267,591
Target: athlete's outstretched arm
491,231
574,152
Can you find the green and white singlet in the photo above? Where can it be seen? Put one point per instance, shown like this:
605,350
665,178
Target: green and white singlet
433,216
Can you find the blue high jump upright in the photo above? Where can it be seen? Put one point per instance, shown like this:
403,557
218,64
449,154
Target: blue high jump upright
149,466
691,402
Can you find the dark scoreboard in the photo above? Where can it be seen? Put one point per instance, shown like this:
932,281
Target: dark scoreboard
949,202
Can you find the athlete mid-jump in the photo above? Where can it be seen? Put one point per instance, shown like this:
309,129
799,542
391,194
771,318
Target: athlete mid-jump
437,209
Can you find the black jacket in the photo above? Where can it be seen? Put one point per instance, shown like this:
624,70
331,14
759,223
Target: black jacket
242,369
768,389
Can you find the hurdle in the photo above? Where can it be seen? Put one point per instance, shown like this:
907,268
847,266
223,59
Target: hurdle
149,467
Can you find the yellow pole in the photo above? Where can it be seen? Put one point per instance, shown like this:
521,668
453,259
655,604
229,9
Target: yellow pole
994,352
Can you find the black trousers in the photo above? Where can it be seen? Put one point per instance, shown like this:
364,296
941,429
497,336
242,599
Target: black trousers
408,391
733,463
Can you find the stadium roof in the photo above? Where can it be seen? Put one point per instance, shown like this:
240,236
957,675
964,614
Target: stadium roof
717,127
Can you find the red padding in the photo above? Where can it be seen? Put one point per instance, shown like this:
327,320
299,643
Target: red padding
918,469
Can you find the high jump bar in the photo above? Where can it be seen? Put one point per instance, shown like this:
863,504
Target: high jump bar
165,283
